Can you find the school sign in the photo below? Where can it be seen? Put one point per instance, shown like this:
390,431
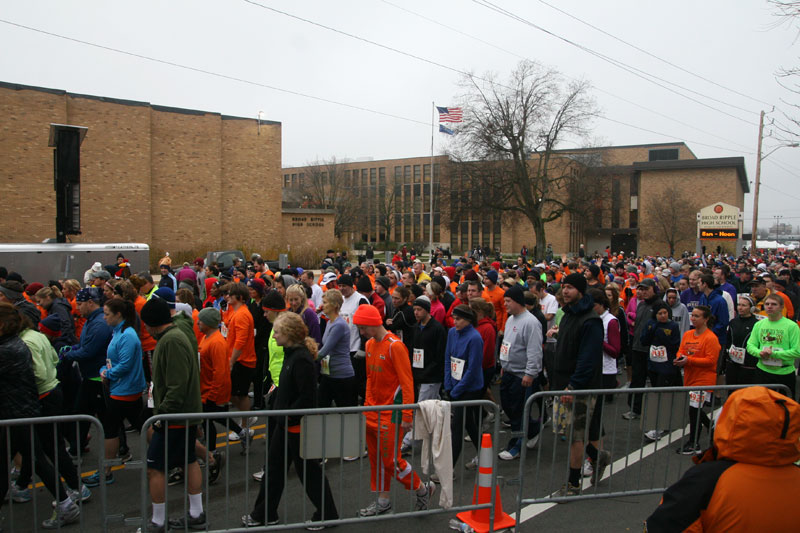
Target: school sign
719,222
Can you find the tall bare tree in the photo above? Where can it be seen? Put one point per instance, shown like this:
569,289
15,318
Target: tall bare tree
505,151
387,208
673,219
323,186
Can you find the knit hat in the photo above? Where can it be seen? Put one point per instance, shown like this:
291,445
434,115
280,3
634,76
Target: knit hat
367,315
595,270
492,276
50,326
12,289
383,281
496,265
576,280
470,275
257,285
517,294
101,274
209,316
89,293
166,294
346,280
450,271
364,284
155,313
199,261
273,301
464,312
423,302
33,288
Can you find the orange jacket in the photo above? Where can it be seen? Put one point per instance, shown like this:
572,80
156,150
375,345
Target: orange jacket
80,321
388,369
241,336
195,317
495,296
215,375
747,481
702,351
148,342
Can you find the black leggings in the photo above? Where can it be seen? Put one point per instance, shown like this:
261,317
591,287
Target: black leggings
466,417
20,441
208,425
341,391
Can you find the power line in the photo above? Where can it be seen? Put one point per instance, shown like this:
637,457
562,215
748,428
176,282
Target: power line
609,93
654,56
784,193
619,64
215,74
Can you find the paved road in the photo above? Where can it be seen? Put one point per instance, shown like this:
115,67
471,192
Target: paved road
637,465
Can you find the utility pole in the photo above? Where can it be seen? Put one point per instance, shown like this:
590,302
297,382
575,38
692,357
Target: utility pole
758,184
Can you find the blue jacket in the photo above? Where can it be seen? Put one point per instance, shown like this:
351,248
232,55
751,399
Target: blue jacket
719,308
90,352
663,334
465,344
126,375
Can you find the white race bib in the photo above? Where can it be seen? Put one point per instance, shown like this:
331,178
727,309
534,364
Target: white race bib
418,358
346,318
223,329
658,354
766,360
736,354
150,396
698,398
325,365
457,368
504,349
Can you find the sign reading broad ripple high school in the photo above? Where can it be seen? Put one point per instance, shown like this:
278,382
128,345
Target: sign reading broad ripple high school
718,221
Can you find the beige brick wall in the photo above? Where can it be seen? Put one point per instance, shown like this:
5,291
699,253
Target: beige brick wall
307,229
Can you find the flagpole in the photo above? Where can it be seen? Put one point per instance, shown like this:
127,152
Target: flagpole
430,227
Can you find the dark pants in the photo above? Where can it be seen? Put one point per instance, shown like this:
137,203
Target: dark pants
341,391
360,368
736,374
258,377
52,439
638,379
466,417
90,401
512,398
767,378
20,441
309,472
596,430
209,427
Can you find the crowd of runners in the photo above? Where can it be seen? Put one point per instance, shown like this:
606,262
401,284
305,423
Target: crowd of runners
122,347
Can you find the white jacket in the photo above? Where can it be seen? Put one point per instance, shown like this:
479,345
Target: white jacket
432,425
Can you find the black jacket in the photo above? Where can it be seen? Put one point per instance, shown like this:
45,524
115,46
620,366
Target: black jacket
739,330
29,310
19,397
403,323
61,308
298,381
433,339
579,350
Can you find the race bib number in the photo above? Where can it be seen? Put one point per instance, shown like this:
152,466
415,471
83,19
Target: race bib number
505,348
767,360
457,368
223,329
325,365
150,396
658,354
698,398
418,358
736,354
347,319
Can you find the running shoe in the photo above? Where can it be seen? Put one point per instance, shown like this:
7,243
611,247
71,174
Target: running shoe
375,508
603,460
425,499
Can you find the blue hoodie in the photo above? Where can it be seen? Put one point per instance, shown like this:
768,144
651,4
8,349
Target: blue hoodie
464,344
90,352
719,308
126,375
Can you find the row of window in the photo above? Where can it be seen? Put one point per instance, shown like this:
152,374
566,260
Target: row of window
371,176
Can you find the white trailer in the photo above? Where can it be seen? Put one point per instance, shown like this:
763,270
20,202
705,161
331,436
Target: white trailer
46,261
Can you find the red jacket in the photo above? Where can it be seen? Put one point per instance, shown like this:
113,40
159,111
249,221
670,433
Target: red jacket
488,330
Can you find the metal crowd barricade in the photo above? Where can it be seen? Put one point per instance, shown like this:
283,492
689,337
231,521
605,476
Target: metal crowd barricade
30,515
635,468
328,435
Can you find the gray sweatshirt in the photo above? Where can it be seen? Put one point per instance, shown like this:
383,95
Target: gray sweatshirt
523,342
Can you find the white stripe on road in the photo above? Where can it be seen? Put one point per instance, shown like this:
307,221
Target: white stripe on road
616,467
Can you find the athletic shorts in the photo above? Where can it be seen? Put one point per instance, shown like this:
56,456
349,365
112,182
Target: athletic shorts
573,417
178,450
241,378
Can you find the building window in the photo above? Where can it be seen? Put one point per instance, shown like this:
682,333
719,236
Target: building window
373,176
436,170
426,173
382,176
475,235
486,231
437,233
635,184
417,173
286,180
294,180
407,174
464,235
398,173
498,228
664,154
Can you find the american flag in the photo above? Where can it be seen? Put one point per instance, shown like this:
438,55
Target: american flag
449,114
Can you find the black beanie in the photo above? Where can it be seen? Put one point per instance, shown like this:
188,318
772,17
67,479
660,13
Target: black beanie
273,301
156,313
516,293
364,284
576,280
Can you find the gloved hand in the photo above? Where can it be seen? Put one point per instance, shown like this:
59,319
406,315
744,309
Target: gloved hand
62,353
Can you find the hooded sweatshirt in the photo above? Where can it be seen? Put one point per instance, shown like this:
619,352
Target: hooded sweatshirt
465,345
523,343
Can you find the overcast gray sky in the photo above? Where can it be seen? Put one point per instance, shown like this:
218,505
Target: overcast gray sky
734,44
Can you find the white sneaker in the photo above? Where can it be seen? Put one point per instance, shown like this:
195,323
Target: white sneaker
233,436
252,421
506,455
588,468
473,464
467,439
532,442
654,435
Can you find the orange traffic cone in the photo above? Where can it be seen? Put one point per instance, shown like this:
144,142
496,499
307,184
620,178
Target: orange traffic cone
479,519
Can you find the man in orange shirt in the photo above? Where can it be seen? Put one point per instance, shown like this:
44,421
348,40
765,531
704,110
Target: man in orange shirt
241,353
388,369
215,385
494,294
